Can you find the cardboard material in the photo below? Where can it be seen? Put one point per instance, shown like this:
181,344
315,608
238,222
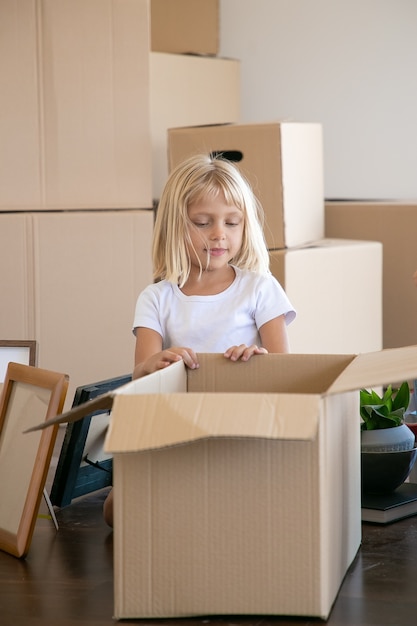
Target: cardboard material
181,94
70,282
15,256
283,162
222,484
20,182
89,269
74,111
394,224
336,287
185,26
242,498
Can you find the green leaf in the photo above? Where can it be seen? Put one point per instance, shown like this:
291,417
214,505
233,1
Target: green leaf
385,412
402,398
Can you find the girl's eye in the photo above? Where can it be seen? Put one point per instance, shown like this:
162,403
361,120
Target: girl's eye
200,224
232,223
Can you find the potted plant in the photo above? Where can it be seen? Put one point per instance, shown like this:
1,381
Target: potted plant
387,444
381,413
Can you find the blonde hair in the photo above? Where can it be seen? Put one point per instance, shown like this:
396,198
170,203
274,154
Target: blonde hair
194,179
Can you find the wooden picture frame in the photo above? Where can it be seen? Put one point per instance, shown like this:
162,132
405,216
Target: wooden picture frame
81,468
30,395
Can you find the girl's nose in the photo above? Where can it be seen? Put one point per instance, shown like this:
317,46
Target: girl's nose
217,232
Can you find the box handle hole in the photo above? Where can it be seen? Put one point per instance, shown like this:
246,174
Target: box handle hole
230,155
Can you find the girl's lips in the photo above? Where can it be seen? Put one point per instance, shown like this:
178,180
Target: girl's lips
217,251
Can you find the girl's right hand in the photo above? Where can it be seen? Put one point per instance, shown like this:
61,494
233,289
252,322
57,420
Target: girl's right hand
149,357
163,359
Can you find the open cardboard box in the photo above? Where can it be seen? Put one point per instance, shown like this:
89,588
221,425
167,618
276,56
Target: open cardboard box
237,485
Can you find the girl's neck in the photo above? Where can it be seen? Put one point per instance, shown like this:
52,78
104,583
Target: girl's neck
209,283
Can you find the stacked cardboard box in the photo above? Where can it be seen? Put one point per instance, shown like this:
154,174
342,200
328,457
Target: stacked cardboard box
70,281
185,26
394,225
325,279
283,162
182,88
74,109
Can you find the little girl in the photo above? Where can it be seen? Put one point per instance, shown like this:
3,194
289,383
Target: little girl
213,291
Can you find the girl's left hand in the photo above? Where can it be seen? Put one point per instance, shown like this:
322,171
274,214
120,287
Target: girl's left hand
243,352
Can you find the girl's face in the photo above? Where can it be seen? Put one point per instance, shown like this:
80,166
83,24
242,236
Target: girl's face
216,232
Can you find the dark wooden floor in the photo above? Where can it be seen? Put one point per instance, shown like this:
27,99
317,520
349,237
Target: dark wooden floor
67,577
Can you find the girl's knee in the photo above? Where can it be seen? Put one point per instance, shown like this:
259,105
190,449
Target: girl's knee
108,509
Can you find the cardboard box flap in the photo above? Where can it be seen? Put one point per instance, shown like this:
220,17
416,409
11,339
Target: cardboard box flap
377,368
101,403
160,420
172,379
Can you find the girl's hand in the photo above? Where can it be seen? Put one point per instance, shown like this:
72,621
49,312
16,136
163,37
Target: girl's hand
163,359
149,356
243,352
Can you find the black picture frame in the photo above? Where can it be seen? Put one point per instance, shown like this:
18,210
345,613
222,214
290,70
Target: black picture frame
77,474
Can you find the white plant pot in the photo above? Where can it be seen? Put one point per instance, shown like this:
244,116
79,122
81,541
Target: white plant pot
396,439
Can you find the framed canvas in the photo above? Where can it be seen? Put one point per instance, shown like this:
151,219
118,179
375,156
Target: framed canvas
83,466
30,395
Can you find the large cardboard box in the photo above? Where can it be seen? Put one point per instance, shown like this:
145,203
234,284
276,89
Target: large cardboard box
242,496
74,107
185,26
336,287
237,485
394,224
283,162
70,282
89,268
181,94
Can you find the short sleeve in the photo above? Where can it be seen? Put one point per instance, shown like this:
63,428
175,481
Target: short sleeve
147,310
272,301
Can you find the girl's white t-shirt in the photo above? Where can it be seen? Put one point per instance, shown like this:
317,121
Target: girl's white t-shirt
217,322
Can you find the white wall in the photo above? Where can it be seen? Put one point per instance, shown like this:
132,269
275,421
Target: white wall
350,65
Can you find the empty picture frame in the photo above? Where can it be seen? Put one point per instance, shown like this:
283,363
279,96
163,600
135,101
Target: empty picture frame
17,351
30,395
82,466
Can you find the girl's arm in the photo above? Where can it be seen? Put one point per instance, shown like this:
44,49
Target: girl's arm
274,338
149,356
274,335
